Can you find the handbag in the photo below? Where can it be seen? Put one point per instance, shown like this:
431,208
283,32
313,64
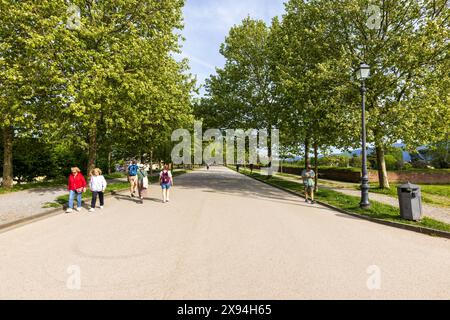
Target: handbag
145,183
79,190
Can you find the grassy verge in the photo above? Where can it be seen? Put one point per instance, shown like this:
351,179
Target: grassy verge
438,195
432,194
351,204
111,188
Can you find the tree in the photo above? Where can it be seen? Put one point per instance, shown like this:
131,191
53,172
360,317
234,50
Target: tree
29,79
408,52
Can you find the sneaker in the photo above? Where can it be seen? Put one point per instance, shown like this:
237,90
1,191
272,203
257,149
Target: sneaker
69,210
91,210
78,209
313,202
167,200
101,207
306,200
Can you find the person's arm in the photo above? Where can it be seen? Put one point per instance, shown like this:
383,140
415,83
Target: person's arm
105,184
83,182
171,177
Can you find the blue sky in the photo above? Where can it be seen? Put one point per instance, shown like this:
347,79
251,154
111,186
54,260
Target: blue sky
207,23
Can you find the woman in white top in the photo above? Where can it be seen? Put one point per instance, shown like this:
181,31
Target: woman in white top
97,184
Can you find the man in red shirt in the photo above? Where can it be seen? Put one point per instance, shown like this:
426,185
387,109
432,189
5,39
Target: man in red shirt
77,185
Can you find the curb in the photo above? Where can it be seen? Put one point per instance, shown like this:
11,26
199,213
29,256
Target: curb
422,230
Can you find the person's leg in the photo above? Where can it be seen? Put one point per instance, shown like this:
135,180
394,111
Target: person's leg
79,196
163,193
94,199
140,185
312,194
306,194
71,198
131,184
168,194
135,184
101,196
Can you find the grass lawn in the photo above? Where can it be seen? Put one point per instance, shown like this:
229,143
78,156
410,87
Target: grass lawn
350,203
432,194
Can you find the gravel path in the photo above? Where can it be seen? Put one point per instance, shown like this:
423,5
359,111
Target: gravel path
28,203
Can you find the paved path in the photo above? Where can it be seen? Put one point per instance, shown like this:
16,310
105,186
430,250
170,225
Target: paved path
223,236
437,213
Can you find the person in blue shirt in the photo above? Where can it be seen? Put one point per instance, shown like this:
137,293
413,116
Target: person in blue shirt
132,177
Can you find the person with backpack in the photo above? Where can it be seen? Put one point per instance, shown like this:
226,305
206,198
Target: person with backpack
132,177
76,187
166,181
308,176
142,181
97,184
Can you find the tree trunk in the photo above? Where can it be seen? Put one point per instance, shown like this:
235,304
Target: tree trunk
92,148
382,172
316,167
8,137
307,146
151,163
269,154
109,162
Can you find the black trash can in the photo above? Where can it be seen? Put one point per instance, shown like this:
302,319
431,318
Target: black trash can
410,200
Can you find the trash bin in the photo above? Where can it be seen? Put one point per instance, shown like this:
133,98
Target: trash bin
410,201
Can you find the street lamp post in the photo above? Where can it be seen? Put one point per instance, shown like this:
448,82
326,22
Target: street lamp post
362,74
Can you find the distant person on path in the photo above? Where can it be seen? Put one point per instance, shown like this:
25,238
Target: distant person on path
142,175
308,176
132,177
76,186
251,167
97,184
166,181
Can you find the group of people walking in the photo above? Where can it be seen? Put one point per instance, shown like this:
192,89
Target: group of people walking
137,176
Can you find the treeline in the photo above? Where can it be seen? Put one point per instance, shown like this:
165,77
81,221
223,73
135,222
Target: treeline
87,82
298,75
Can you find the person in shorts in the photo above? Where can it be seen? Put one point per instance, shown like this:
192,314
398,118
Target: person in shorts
166,181
308,176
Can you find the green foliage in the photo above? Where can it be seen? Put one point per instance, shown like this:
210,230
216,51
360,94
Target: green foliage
334,161
391,162
111,87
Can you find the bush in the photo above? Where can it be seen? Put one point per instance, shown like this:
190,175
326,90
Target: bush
334,161
391,162
420,164
407,166
356,162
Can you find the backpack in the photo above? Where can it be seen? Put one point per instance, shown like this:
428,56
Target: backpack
132,170
165,177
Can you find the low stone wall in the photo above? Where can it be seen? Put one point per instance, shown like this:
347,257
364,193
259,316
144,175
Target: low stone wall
414,177
341,174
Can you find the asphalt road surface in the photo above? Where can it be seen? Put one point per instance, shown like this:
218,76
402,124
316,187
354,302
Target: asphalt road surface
222,236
